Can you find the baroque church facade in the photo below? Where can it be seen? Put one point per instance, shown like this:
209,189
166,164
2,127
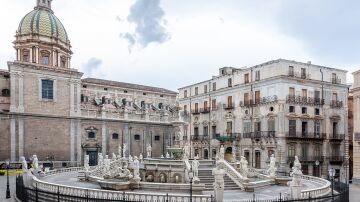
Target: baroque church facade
47,109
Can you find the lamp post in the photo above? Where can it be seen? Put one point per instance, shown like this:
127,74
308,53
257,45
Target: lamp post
191,176
332,174
7,179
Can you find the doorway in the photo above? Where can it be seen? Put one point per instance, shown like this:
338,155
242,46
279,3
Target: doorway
93,155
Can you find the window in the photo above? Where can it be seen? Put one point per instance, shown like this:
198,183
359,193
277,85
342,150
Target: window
84,86
257,97
185,93
91,135
317,128
125,91
303,110
161,106
157,137
304,150
205,105
161,95
5,92
292,128
257,75
334,78
213,104
205,130
317,111
45,58
292,109
291,71
317,97
291,151
196,131
185,108
213,131
246,78
304,93
304,128
63,62
205,89
196,90
292,91
47,89
196,107
144,93
115,136
136,137
105,89
246,99
271,124
229,101
303,73
334,97
25,56
214,86
229,127
317,150
229,82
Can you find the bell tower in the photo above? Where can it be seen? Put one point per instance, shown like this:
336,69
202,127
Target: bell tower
44,4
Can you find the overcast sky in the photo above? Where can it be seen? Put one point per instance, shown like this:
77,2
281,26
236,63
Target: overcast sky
173,43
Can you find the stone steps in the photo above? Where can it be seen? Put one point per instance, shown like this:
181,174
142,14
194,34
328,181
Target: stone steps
207,178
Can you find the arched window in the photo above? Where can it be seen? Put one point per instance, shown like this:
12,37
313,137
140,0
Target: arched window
291,151
45,58
91,135
25,56
115,136
63,62
160,105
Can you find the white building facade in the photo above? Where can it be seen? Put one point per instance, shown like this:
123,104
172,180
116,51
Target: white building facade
283,107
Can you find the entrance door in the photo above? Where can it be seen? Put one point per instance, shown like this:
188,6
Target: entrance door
92,157
206,154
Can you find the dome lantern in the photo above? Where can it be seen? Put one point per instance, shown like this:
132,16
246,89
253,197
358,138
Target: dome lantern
44,4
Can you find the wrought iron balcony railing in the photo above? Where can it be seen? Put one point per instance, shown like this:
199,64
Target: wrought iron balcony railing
205,110
335,158
259,134
229,106
195,111
199,137
298,75
336,104
304,100
305,135
336,80
338,137
261,101
357,137
306,158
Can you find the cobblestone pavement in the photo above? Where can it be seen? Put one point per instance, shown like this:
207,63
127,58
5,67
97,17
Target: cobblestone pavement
3,188
354,193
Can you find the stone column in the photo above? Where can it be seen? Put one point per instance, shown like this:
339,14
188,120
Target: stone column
58,59
37,55
31,55
13,107
21,93
18,54
12,139
72,140
103,139
219,184
21,136
126,137
78,98
78,142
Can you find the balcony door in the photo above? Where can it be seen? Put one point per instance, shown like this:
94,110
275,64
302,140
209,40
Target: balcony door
304,128
196,107
292,128
257,97
229,101
205,105
257,159
229,127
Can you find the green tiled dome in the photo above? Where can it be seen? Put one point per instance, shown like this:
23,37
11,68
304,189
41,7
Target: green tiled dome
43,22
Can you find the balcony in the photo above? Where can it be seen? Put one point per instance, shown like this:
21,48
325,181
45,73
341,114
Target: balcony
205,110
336,80
259,134
199,137
306,158
357,137
225,138
305,136
298,75
336,104
336,159
337,137
262,101
195,111
229,106
292,99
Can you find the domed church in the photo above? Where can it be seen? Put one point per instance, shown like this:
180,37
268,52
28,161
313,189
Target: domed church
48,109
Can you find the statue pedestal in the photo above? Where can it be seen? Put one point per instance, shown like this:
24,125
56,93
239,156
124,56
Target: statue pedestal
295,191
219,184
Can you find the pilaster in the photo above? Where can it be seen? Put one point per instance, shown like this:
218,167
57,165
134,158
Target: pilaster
103,139
12,139
21,93
72,140
78,142
13,76
21,136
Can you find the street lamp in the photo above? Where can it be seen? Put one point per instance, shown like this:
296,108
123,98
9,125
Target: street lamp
332,174
191,176
7,181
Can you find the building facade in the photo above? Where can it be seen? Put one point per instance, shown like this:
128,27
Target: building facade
47,108
280,107
356,135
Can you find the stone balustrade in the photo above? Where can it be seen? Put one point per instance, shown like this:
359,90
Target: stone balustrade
233,174
109,195
322,190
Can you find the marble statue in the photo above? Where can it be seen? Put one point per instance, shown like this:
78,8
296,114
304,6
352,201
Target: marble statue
136,166
24,165
162,178
272,167
186,151
148,150
222,152
106,170
179,134
295,184
86,163
113,156
35,162
176,179
195,167
244,166
124,150
130,158
234,155
219,183
119,151
100,159
162,156
167,155
141,157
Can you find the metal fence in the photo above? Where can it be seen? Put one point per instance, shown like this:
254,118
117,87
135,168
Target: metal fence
25,194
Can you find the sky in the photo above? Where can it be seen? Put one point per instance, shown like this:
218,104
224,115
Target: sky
174,43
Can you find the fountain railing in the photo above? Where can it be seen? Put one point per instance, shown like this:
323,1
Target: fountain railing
232,173
323,190
106,194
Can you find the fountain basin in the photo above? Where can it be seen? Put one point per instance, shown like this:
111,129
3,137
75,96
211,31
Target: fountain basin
114,184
